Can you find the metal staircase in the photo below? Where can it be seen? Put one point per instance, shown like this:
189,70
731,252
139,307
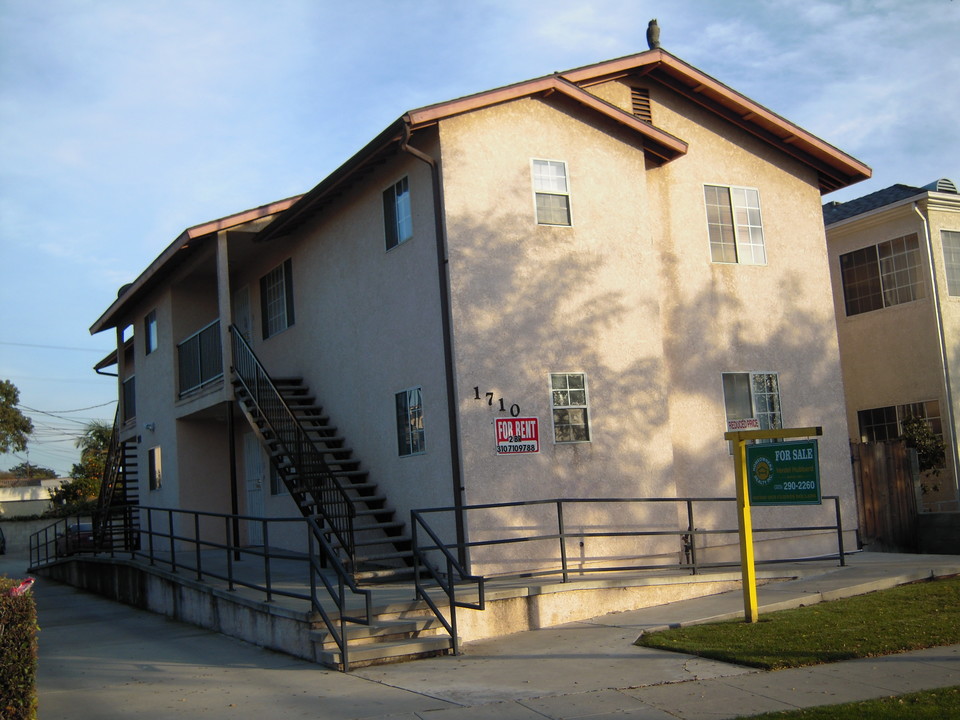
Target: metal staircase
319,471
117,521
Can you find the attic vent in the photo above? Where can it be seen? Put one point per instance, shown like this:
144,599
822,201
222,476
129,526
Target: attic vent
944,185
640,97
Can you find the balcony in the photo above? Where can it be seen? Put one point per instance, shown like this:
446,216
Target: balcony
199,359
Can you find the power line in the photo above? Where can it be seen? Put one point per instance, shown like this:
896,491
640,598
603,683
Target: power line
60,417
48,412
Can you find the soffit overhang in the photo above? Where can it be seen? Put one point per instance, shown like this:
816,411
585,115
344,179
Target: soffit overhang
179,251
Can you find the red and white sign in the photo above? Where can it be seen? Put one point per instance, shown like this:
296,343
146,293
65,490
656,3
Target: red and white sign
517,435
745,424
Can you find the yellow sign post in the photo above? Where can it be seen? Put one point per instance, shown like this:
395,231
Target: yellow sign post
748,570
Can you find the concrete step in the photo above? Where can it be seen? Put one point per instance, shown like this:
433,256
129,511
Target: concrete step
380,631
380,653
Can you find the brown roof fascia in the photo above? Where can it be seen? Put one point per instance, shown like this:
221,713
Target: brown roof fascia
173,255
311,202
662,145
835,168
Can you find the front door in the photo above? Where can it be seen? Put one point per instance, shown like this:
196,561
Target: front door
253,471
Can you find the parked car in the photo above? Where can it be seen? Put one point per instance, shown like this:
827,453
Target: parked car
78,537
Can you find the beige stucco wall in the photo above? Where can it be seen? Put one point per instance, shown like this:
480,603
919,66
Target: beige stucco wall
721,318
529,300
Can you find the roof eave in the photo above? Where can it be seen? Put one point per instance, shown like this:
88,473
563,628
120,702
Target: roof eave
183,242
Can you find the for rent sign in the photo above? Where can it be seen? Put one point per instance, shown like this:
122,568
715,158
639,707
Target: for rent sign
517,435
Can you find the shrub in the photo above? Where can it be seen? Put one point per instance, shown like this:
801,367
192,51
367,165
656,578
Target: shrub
18,653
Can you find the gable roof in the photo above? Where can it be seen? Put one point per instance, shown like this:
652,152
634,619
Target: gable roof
835,212
835,169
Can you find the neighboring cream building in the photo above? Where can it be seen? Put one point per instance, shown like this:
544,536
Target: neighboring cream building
630,253
22,500
895,261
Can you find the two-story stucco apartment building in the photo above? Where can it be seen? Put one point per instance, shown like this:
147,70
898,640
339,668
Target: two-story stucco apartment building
617,259
895,261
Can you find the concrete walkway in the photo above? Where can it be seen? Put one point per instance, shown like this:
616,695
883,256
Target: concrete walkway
100,660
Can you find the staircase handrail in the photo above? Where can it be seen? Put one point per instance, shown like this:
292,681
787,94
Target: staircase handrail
337,630
336,508
108,481
447,582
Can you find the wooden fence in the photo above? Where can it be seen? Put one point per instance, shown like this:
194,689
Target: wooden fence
886,496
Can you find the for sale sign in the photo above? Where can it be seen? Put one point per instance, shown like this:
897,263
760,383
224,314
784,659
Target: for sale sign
517,435
784,473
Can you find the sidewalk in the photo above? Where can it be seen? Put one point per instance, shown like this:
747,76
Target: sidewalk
103,660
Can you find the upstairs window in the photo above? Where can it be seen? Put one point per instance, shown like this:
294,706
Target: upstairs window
150,332
276,299
882,275
410,436
551,192
734,225
951,260
397,217
571,412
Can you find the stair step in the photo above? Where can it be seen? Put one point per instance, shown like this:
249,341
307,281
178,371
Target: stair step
371,487
379,631
384,575
383,652
381,557
303,402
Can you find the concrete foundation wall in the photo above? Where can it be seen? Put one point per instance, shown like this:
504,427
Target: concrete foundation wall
938,533
151,589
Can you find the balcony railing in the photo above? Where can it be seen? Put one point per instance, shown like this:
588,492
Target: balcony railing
199,359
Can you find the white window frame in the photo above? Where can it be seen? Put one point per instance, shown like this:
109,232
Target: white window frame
761,413
397,214
276,300
411,439
746,226
542,188
559,402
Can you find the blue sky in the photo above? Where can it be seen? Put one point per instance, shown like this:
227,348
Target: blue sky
123,122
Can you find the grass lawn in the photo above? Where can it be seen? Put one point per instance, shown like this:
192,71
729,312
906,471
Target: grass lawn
909,617
929,705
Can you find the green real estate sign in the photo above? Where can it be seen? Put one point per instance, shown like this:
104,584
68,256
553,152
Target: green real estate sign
784,473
